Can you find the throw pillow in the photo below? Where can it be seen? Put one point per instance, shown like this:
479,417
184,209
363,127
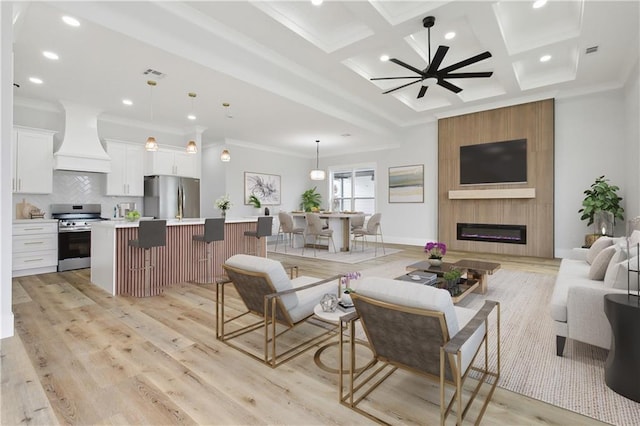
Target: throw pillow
600,263
618,277
600,244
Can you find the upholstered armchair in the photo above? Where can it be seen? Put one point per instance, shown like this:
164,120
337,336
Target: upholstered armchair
273,302
418,329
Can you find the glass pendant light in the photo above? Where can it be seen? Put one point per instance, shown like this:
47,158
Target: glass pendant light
317,173
225,156
192,148
151,144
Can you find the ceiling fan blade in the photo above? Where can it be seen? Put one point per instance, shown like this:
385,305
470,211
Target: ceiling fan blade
400,87
468,61
407,66
391,78
437,59
422,91
447,85
468,75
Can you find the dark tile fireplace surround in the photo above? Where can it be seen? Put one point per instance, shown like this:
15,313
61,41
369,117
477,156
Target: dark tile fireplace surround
508,234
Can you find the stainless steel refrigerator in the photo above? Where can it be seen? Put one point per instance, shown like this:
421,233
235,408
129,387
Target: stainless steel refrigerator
167,197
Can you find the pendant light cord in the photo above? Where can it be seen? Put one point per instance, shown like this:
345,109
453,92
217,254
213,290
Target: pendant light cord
317,154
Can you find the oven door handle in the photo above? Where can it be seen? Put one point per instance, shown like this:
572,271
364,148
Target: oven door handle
65,231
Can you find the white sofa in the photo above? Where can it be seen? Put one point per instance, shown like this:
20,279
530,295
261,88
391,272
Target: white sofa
577,303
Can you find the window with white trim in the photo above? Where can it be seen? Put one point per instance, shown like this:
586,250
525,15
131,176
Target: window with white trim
353,189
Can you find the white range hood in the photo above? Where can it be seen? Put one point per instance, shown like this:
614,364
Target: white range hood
81,149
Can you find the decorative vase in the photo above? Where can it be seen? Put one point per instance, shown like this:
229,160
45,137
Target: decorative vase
223,214
435,262
329,302
346,299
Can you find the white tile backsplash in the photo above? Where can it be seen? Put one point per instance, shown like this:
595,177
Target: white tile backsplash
70,187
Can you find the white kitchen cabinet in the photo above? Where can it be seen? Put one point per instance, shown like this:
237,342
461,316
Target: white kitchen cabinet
127,169
35,247
32,155
172,162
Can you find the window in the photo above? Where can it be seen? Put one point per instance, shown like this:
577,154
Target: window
354,189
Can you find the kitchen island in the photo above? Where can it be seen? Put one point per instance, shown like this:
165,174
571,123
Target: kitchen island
116,267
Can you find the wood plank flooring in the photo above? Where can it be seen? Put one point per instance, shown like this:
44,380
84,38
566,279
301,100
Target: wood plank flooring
81,356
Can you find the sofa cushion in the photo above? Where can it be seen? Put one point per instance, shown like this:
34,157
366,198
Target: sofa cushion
599,245
272,268
617,275
409,294
600,263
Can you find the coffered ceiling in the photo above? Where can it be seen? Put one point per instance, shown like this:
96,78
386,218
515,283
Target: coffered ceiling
294,72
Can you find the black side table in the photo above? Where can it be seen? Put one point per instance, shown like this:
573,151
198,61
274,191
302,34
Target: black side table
622,371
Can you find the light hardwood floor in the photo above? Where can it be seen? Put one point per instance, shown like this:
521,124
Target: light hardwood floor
80,356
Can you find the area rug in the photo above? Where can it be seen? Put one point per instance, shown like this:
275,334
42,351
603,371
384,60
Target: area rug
529,364
352,257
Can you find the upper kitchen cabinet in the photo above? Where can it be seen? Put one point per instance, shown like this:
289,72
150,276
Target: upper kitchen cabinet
172,162
32,155
127,169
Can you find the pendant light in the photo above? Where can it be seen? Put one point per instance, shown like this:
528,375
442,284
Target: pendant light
151,144
225,156
317,173
192,148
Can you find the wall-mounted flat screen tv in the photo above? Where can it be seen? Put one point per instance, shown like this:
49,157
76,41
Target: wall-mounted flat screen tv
495,162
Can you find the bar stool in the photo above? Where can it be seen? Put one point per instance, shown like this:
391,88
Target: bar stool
151,233
213,231
263,229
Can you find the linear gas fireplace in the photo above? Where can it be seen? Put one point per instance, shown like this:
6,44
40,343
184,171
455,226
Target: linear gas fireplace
509,234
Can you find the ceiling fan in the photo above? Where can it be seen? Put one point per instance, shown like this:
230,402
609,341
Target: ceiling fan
432,71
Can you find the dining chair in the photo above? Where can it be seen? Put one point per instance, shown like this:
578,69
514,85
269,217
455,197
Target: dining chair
373,228
287,227
315,229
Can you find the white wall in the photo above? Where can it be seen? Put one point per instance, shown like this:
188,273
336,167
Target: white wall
403,223
590,141
6,205
632,110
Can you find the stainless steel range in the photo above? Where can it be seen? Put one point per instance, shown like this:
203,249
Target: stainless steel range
74,233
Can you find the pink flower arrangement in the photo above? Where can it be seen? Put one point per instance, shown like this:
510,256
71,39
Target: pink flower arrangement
435,250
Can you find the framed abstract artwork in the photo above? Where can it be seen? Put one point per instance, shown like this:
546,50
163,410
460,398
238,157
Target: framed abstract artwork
406,184
265,187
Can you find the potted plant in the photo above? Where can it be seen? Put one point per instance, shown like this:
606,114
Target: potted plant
452,278
224,204
255,201
435,251
600,197
311,200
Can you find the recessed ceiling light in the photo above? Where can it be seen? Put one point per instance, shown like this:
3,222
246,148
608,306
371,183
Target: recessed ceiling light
345,135
71,21
35,80
127,102
191,117
545,58
449,35
384,58
539,3
316,2
50,55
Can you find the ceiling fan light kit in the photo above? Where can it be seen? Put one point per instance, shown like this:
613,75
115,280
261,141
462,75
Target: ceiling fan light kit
433,72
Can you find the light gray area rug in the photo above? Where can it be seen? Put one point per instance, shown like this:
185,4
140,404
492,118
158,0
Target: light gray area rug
352,257
529,364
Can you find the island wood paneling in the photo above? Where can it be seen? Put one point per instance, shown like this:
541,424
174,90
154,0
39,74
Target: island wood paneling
532,121
178,261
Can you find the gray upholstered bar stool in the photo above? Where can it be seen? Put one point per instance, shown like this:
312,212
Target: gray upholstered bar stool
151,233
263,229
213,231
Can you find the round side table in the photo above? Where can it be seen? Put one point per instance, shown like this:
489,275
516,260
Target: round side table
334,317
622,370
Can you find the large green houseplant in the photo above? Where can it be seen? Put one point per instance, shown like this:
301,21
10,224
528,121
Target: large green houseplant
601,196
311,200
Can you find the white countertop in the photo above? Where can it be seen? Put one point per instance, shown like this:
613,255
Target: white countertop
121,223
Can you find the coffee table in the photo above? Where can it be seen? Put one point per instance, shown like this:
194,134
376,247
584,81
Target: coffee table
465,287
477,269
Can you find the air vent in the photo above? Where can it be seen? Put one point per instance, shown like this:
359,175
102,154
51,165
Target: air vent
592,49
155,73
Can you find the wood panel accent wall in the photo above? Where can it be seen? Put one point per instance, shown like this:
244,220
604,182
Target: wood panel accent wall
178,261
533,121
